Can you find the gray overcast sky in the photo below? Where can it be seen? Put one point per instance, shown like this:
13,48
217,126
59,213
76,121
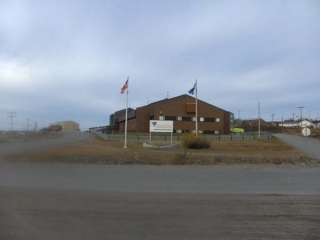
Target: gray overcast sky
68,60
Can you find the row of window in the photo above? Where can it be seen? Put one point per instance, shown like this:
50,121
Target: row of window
187,119
199,131
184,119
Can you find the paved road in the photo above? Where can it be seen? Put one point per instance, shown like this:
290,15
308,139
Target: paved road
165,179
65,138
309,146
153,202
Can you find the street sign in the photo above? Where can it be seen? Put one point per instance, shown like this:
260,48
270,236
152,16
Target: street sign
161,126
306,131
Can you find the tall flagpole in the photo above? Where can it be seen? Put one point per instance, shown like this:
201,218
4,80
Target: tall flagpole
196,108
126,121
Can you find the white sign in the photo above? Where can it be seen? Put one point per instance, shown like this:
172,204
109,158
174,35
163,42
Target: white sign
306,132
161,126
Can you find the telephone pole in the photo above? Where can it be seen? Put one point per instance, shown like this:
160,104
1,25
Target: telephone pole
239,122
272,115
259,121
11,115
28,124
300,113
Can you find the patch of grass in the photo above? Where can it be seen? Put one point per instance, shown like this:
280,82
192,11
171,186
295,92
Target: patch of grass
191,141
181,157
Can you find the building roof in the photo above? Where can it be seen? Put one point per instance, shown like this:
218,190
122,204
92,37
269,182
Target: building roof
170,100
254,120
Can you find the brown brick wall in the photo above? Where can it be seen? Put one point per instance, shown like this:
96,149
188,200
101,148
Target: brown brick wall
177,107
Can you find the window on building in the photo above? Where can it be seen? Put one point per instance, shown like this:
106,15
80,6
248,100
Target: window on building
178,131
171,118
216,132
209,119
194,119
179,118
201,119
200,131
217,119
186,119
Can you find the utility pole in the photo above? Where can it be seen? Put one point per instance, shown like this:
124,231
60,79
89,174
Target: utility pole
11,115
28,124
309,116
259,121
293,116
272,115
300,113
239,117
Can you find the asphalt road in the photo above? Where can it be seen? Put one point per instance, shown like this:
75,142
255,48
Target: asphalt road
307,145
153,202
49,201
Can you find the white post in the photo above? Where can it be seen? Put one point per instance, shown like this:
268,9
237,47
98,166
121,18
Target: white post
126,120
259,121
196,108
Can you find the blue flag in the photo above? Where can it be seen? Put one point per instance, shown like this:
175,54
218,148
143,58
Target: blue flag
191,91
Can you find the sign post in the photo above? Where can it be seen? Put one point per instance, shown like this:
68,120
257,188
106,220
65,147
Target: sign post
306,132
161,126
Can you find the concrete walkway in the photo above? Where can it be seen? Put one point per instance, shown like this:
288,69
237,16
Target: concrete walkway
309,146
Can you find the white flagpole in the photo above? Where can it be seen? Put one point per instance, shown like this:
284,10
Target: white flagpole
196,108
126,120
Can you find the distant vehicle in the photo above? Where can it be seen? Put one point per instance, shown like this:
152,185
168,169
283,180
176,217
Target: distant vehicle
236,130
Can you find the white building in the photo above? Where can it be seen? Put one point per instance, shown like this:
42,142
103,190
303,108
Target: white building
303,123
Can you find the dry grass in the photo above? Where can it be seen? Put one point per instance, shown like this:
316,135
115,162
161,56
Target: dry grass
102,152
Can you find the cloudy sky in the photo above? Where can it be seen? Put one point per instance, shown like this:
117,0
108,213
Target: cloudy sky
67,60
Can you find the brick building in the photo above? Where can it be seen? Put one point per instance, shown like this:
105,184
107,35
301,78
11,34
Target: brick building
181,110
253,124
